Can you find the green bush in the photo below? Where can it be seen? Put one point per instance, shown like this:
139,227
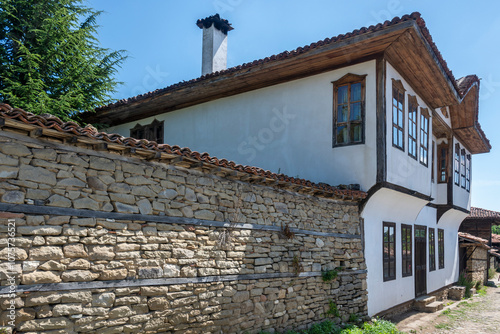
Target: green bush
377,326
466,280
329,275
491,273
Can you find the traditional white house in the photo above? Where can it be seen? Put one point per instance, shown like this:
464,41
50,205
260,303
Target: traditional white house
377,107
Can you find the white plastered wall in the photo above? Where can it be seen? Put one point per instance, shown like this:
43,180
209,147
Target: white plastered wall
401,168
286,128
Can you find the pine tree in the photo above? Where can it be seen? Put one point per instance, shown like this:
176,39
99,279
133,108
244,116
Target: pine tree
50,59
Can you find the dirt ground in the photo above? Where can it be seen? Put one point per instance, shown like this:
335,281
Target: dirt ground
476,315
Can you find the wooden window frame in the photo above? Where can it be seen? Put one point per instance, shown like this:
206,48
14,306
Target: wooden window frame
406,250
412,126
467,172
443,163
456,174
391,261
348,80
399,91
432,249
433,162
152,132
440,238
462,167
424,136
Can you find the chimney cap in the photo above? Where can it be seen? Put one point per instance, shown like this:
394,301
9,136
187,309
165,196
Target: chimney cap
220,24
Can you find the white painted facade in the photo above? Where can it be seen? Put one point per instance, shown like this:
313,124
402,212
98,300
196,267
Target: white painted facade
288,128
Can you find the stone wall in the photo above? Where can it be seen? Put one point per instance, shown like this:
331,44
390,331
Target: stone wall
477,266
118,244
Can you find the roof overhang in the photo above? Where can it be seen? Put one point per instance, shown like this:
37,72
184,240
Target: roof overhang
401,43
406,44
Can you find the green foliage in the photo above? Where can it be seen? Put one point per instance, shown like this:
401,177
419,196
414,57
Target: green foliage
354,317
332,309
329,275
466,280
297,266
495,229
491,273
478,285
50,59
377,326
3,330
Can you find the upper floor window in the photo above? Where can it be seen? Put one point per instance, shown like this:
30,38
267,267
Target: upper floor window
432,249
424,136
349,110
441,248
467,173
406,249
457,164
398,112
462,168
389,256
412,126
152,132
443,163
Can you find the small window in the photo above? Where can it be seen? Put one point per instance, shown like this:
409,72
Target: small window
406,247
441,248
432,249
467,173
443,163
349,110
457,164
151,132
412,126
462,168
398,111
389,244
424,136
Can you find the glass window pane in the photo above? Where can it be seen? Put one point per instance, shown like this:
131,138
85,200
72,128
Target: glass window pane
400,138
356,92
343,111
356,132
342,135
342,95
400,118
356,111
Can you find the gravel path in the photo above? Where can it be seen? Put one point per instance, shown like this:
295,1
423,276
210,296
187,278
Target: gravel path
477,315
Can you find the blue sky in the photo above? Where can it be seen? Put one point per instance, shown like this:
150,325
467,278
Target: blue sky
164,46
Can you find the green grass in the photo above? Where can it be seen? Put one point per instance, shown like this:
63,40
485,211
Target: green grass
443,326
491,273
377,326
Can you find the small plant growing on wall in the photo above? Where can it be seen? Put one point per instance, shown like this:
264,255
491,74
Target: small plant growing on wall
286,232
297,266
333,310
330,275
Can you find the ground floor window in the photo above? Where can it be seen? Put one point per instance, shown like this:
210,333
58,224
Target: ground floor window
441,248
389,250
406,245
432,249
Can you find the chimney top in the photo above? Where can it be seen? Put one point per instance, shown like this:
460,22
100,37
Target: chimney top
223,25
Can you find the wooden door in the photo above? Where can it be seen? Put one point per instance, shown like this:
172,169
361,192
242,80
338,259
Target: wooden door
420,260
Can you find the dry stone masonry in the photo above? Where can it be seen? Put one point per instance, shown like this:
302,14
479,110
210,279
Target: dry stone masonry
118,244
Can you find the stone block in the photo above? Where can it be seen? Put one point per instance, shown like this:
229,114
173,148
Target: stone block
106,299
39,230
52,265
66,309
37,174
102,164
59,201
40,277
42,325
120,312
14,197
74,251
15,149
46,253
158,304
79,276
115,274
8,172
100,252
76,297
86,203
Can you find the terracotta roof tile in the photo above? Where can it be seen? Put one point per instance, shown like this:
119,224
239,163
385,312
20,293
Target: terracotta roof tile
473,238
52,122
301,50
464,83
495,238
483,213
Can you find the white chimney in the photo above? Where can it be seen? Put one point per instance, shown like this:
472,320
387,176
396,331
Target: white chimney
214,57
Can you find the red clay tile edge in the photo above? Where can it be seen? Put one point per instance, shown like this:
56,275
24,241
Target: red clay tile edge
483,213
471,237
52,122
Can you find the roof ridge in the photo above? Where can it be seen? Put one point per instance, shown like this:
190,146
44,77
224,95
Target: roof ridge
53,122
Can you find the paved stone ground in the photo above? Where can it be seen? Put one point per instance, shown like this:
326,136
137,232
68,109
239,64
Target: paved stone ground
477,315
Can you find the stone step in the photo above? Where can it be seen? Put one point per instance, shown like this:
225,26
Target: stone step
433,307
424,300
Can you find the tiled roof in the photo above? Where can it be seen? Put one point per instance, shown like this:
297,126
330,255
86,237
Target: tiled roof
495,238
473,238
483,213
54,123
299,51
495,252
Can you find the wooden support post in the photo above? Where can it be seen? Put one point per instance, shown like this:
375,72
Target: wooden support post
35,133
